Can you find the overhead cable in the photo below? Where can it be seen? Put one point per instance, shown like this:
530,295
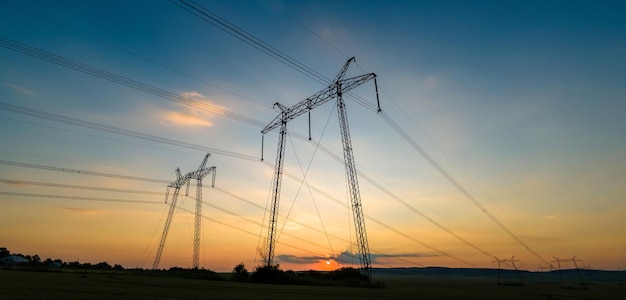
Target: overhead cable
137,55
93,71
235,31
77,198
73,186
111,129
82,172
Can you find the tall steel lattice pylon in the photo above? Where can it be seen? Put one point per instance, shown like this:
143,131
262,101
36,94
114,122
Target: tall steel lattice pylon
198,175
336,89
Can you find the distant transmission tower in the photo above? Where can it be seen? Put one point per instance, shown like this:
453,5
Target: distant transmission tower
198,175
509,262
573,260
336,89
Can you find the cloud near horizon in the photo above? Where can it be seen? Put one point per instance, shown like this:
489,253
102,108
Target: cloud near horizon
345,257
83,211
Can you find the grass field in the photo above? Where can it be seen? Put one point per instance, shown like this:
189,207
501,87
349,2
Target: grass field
17,284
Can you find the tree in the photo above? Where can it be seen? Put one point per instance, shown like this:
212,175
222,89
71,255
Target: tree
36,260
271,274
240,273
4,252
103,266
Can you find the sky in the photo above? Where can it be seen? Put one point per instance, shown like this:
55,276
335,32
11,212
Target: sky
502,131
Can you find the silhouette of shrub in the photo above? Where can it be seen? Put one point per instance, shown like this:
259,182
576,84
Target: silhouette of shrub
240,273
272,274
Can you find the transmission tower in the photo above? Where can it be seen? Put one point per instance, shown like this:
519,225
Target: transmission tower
336,89
574,260
199,174
544,269
510,262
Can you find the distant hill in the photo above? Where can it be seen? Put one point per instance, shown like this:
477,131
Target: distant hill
570,274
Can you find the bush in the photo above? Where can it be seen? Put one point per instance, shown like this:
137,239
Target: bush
346,273
240,273
272,274
193,273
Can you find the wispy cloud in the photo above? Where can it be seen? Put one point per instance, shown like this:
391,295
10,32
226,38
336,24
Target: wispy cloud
327,33
83,211
20,89
431,81
192,116
183,119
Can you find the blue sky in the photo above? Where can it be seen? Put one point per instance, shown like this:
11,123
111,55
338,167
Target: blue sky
522,103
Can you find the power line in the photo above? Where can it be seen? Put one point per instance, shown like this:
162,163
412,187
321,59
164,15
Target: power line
126,177
239,198
146,88
235,31
294,236
111,129
90,135
369,217
77,171
100,73
308,29
105,75
334,236
76,198
72,186
242,35
406,204
239,228
455,183
132,53
95,199
422,152
426,156
239,33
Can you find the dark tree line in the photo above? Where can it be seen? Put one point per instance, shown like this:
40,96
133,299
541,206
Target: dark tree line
261,274
36,262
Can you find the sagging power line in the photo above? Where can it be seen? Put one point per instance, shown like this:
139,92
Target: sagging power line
162,93
489,215
223,24
228,193
133,53
116,130
112,77
153,138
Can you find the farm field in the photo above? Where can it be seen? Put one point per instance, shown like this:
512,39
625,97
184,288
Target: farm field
15,284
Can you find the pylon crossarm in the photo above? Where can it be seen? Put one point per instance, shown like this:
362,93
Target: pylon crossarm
317,99
338,87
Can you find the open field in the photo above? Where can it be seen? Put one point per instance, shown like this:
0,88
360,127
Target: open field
16,284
